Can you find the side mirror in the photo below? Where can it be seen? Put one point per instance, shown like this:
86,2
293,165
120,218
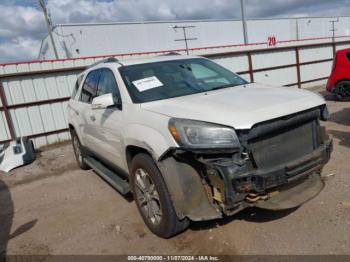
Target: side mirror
104,101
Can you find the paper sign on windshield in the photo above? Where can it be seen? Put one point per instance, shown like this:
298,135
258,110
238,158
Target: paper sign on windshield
147,83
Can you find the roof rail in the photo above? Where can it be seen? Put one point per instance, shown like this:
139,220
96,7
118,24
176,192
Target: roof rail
169,54
106,60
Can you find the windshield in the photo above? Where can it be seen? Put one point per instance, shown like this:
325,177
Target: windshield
168,79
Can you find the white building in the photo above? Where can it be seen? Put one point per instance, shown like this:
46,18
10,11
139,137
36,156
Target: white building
82,40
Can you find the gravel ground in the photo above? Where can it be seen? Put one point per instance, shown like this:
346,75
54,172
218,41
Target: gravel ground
52,207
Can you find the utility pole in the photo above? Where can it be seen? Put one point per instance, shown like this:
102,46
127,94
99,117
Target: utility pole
244,22
49,26
297,28
333,30
185,35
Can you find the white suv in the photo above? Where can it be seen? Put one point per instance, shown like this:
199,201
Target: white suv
193,141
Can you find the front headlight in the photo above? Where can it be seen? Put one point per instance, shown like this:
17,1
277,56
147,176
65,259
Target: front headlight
201,135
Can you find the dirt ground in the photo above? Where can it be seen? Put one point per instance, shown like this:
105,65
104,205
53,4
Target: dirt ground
52,207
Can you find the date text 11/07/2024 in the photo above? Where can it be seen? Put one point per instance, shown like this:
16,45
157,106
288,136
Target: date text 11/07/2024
173,258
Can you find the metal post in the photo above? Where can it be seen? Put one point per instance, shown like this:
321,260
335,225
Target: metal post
250,65
297,60
185,37
7,113
244,23
49,26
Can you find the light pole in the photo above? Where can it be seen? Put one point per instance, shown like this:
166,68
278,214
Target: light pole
49,26
244,22
333,34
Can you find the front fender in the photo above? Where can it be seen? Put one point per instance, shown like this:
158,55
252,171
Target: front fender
148,138
183,182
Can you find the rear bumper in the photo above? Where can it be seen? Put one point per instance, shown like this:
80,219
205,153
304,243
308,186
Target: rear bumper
329,86
331,81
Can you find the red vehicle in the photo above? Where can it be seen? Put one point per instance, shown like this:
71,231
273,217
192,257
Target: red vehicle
339,80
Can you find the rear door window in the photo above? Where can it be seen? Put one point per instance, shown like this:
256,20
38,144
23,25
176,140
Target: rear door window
348,56
89,89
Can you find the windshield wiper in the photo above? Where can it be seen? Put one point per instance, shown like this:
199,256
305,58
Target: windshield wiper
225,86
221,87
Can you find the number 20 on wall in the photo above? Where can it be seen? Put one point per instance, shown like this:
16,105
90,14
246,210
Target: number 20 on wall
271,40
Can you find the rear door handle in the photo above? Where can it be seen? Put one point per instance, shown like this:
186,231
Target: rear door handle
93,118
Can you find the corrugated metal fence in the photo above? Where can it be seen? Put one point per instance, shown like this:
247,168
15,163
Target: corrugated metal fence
34,94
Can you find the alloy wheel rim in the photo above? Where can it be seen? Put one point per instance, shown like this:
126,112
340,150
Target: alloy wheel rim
344,90
147,196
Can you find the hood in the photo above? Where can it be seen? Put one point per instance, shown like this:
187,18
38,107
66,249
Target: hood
239,107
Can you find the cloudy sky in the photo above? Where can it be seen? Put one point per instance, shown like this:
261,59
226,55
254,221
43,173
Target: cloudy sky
22,23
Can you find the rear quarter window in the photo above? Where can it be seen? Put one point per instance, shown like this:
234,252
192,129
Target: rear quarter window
76,86
348,56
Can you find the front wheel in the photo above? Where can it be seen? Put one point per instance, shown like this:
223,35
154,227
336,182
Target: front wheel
77,151
152,198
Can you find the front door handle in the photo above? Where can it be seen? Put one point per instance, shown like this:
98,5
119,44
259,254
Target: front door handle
93,118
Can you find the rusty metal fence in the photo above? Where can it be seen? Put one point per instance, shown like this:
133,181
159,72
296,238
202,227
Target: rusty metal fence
34,94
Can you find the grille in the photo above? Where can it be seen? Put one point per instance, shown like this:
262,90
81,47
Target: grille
283,146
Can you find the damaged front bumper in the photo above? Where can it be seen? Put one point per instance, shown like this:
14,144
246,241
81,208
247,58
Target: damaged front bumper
204,189
263,186
278,167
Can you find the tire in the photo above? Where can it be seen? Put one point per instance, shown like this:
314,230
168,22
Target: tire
342,90
152,198
79,156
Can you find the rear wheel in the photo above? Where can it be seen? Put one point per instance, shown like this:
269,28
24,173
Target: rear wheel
152,198
79,156
342,90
